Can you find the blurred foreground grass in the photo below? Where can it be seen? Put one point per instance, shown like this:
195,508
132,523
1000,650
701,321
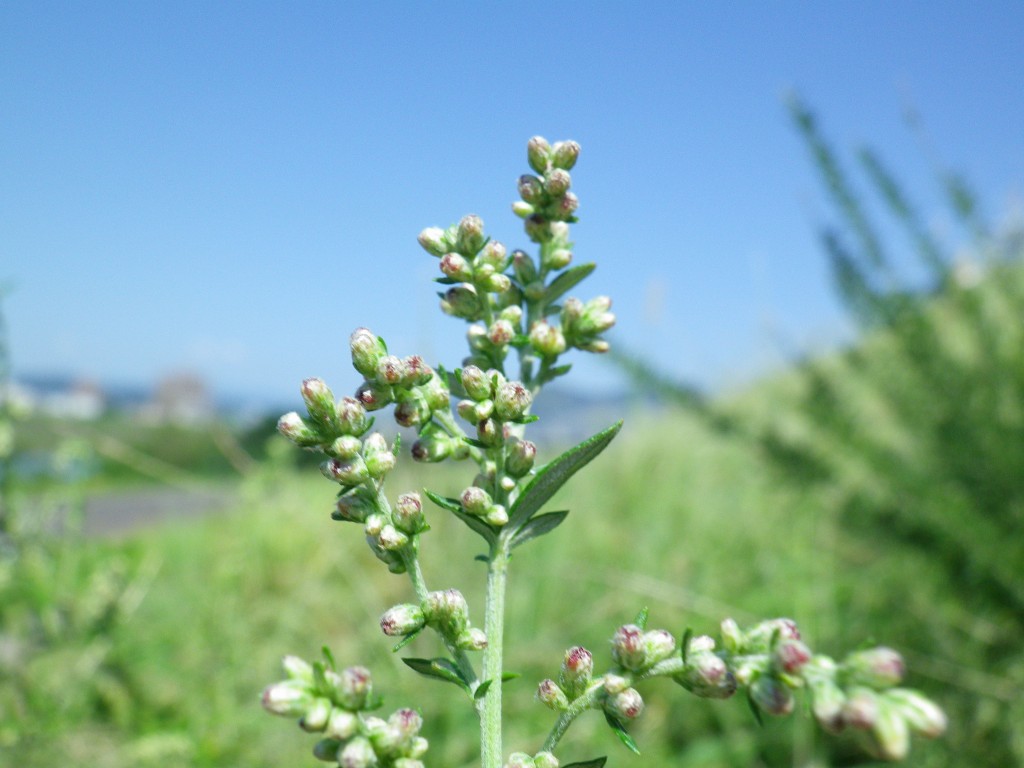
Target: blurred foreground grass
715,534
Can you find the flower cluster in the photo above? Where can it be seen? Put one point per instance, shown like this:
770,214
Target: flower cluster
445,611
333,704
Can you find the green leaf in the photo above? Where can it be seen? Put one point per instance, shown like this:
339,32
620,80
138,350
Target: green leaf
684,644
755,709
406,640
474,442
330,658
597,762
567,281
506,676
554,475
538,526
455,507
440,669
481,690
620,731
446,280
527,419
641,618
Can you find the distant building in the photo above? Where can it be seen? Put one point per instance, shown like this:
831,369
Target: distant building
180,398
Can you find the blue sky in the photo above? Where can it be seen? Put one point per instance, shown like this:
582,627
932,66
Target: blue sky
231,188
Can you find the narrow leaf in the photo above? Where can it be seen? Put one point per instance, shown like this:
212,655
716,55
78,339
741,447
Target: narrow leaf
567,281
455,507
641,618
446,280
440,669
754,709
406,640
506,676
597,762
684,644
330,658
481,690
538,526
620,731
554,474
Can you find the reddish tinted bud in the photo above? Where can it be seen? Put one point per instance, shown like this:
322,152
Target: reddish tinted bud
345,471
408,513
876,668
417,372
519,457
470,238
351,416
434,241
401,620
760,637
564,154
577,670
295,429
771,696
472,639
512,401
390,370
626,705
373,396
475,501
407,722
538,153
707,675
352,508
411,412
432,446
791,656
489,432
557,182
531,189
861,709
552,696
366,349
455,266
494,255
353,687
500,333
567,206
628,647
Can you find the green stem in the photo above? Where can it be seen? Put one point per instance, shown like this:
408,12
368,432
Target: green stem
490,712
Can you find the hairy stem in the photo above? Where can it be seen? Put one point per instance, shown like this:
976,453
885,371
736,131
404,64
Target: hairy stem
494,624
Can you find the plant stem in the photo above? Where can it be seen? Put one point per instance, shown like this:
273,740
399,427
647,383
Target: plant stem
494,625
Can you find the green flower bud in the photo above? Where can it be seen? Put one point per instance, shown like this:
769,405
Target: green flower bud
379,457
771,696
432,446
351,416
417,372
375,524
876,668
706,675
552,696
353,508
628,648
922,715
597,346
297,669
407,723
519,760
732,638
546,339
391,559
531,189
522,210
614,684
392,539
626,705
358,753
434,241
319,401
564,154
890,734
408,513
596,318
295,429
366,349
497,283
489,432
435,394
557,183
472,639
538,228
345,471
519,457
315,717
545,760
327,750
345,447
402,619
512,401
860,710
390,370
412,410
470,238
455,266
342,725
496,515
407,762
461,301
373,396
566,206
559,258
524,267
538,153
289,699
659,644
417,749
759,638
447,611
577,669
352,688
475,501
494,256
827,702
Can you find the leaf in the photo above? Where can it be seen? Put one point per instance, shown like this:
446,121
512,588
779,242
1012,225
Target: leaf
474,442
538,526
527,419
641,618
620,731
684,644
506,676
567,281
440,669
330,658
597,762
554,474
446,280
754,708
481,690
455,507
406,640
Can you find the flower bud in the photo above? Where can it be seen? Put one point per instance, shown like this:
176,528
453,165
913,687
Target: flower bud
392,560
512,401
552,696
351,416
461,301
470,237
760,637
315,717
358,753
366,349
771,696
596,317
732,638
559,258
860,710
524,267
564,154
289,699
519,760
577,669
417,372
417,749
626,705
319,401
455,266
500,333
597,346
295,429
352,507
345,447
614,684
522,210
496,515
379,457
495,255
390,370
566,206
922,715
392,539
297,669
412,410
546,339
352,687
407,762
328,749
345,471
706,675
659,644
406,723
373,396
791,655
538,152
489,432
447,610
497,283
538,228
557,182
342,725
519,457
876,668
545,760
375,524
408,513
402,619
435,393
472,639
628,648
475,501
531,189
432,446
433,241
890,733
476,383
827,702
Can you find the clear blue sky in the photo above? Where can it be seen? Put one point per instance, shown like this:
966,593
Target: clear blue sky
231,188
